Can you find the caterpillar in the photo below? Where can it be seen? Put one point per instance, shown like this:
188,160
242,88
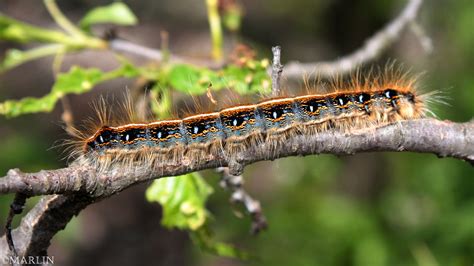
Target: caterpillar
355,105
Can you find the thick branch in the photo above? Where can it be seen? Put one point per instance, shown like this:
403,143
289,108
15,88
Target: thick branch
372,48
81,185
444,138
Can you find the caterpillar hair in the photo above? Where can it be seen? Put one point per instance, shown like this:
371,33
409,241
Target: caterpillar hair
362,102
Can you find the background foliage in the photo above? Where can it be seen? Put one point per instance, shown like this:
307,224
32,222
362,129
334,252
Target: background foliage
369,209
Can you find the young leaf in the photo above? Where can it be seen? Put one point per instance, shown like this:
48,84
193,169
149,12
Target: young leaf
243,79
116,13
12,108
77,80
162,106
187,78
183,200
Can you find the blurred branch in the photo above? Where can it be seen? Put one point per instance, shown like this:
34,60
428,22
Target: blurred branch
82,185
235,183
424,39
133,48
124,46
372,48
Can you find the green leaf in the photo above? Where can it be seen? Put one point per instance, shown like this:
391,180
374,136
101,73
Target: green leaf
128,70
248,79
183,199
12,108
116,13
162,106
77,80
189,79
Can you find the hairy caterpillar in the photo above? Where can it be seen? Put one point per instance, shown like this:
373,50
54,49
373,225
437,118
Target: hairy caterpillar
361,103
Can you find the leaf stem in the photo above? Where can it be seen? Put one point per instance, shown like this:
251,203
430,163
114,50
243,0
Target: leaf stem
15,57
79,38
62,20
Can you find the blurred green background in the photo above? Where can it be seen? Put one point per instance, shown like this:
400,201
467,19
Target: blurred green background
367,209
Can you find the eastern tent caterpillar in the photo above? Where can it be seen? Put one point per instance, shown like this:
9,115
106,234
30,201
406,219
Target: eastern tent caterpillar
359,104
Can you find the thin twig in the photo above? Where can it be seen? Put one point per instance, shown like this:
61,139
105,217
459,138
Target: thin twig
120,45
277,68
235,183
15,208
424,39
372,48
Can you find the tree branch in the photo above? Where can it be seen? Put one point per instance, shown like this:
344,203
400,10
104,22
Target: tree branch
82,186
372,48
124,46
443,138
